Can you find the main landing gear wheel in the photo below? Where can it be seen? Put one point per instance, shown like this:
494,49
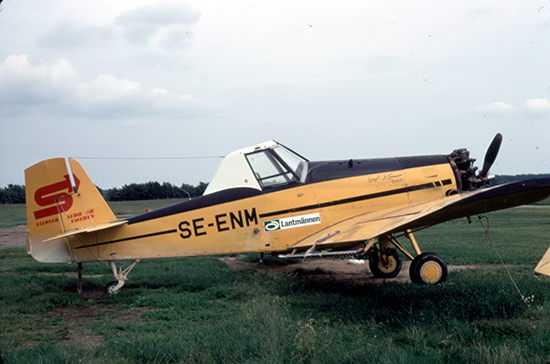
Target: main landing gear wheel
111,288
385,264
428,268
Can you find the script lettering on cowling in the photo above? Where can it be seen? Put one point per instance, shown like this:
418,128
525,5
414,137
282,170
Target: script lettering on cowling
387,177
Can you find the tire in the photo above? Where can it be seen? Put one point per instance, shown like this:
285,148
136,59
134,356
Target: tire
385,265
109,288
428,268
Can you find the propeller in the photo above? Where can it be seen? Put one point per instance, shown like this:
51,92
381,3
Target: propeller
491,155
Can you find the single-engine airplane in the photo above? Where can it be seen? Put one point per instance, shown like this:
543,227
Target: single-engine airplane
269,199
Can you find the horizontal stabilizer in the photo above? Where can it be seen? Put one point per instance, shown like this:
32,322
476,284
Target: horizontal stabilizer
88,229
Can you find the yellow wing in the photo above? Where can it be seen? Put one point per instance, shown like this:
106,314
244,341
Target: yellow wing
374,224
544,265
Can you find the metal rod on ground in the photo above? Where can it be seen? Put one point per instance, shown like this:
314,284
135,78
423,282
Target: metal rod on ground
79,284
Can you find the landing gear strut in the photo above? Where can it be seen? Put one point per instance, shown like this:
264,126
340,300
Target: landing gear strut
121,275
385,262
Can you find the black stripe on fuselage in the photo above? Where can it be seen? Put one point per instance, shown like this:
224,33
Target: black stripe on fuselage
201,202
130,238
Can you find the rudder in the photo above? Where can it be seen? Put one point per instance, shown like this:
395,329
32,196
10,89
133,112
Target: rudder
59,201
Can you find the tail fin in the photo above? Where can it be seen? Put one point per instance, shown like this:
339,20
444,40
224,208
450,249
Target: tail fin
59,202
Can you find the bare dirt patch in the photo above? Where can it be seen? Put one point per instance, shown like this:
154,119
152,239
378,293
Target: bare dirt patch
73,324
15,236
340,270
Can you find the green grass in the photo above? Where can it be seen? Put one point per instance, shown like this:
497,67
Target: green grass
197,310
519,234
12,215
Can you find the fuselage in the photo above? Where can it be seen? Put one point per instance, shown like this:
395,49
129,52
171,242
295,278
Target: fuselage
244,220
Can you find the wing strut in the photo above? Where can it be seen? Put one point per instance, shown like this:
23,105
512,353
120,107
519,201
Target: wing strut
398,245
410,236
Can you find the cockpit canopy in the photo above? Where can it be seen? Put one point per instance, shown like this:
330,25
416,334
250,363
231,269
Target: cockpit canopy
261,167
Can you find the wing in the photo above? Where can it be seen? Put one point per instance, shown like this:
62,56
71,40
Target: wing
374,224
544,265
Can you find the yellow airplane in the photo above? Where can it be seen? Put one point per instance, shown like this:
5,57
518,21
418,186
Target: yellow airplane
269,199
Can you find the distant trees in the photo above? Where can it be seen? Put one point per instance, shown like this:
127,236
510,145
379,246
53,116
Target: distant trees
134,191
501,179
12,194
153,191
194,191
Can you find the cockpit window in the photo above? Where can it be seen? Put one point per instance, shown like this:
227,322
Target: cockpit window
276,166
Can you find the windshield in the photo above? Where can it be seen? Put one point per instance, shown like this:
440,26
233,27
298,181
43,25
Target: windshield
276,166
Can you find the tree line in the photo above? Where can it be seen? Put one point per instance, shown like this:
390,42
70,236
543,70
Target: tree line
13,194
153,191
501,179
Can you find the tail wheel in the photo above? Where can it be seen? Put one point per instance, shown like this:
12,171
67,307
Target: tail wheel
111,288
428,268
386,264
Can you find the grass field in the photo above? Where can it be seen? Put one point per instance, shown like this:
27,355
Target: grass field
198,310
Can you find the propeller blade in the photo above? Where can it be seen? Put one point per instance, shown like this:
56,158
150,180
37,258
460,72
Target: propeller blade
491,155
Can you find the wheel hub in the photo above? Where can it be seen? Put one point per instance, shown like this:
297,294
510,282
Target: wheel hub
387,263
431,272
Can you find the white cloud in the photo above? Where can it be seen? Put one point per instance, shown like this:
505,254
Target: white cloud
22,82
163,24
530,108
58,89
161,13
495,108
537,106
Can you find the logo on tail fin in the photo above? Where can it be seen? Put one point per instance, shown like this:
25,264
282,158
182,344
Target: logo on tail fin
54,194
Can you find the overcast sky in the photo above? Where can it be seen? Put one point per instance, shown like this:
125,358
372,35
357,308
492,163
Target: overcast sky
330,79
